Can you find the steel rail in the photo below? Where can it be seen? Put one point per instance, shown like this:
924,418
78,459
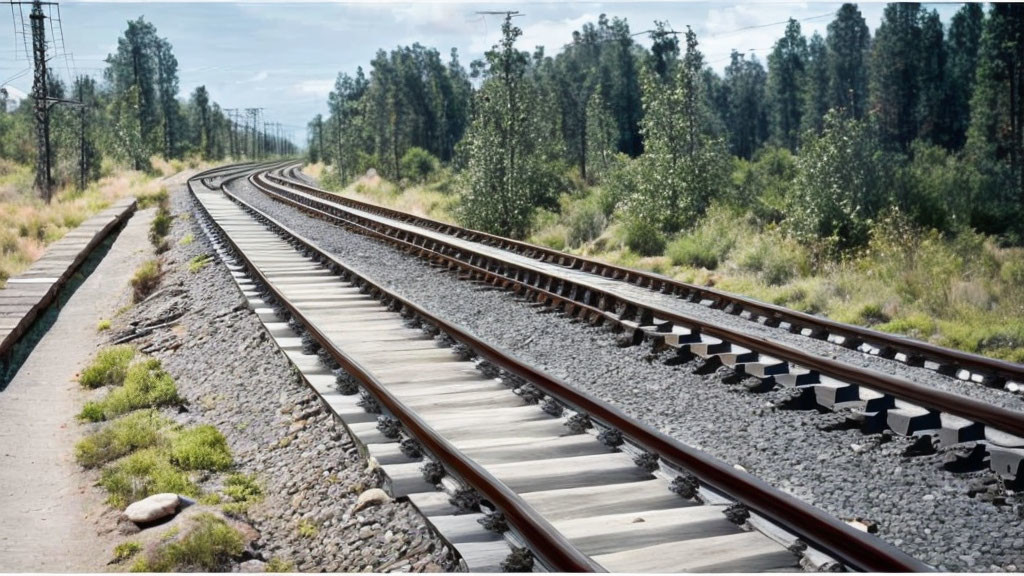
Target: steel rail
853,547
996,417
549,544
997,371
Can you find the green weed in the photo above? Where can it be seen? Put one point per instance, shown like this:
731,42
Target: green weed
132,432
126,550
201,448
109,368
146,279
141,474
146,385
209,547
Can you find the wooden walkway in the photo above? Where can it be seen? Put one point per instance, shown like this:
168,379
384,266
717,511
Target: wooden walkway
28,294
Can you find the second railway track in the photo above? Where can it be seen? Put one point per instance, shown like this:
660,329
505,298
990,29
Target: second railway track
993,435
574,502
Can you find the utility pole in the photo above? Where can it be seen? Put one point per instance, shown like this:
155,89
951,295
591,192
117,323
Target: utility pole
231,131
81,137
39,94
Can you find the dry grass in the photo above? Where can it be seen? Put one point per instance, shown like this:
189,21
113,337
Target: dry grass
28,225
433,199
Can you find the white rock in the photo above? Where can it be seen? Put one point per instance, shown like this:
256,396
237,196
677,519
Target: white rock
153,508
371,496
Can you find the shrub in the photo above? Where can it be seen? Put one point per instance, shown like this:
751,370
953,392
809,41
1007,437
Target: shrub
158,198
644,238
586,221
278,565
109,368
775,259
201,448
146,385
146,280
417,164
103,325
208,547
141,474
122,436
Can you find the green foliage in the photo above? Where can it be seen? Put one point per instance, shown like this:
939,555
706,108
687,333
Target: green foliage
103,325
146,279
122,436
776,259
126,550
141,474
161,225
276,564
840,185
707,245
644,238
307,529
765,185
146,385
244,491
510,170
209,546
108,368
199,262
585,221
200,448
418,165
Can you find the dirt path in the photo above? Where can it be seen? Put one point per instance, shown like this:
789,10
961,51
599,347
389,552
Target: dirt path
48,510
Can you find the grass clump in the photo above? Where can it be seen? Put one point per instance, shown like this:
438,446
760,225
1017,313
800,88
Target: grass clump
146,280
103,325
142,474
209,547
307,529
187,240
134,431
198,263
155,198
276,564
126,550
109,368
201,448
146,385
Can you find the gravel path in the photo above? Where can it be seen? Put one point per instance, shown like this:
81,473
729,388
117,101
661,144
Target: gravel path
234,377
916,504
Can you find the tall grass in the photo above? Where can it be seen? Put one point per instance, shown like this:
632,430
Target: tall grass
28,225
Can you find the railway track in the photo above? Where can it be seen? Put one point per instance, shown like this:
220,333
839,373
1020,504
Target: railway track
990,436
570,478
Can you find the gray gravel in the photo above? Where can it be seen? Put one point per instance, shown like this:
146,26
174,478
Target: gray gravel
916,505
234,377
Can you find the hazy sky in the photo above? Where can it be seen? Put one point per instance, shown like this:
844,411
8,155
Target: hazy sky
285,56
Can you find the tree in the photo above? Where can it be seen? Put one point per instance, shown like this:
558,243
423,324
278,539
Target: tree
602,137
931,117
848,44
132,71
996,133
895,74
816,86
962,45
507,173
744,115
167,92
664,49
684,166
203,128
88,153
786,65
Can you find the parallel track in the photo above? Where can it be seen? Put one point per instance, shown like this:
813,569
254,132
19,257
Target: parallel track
526,454
876,400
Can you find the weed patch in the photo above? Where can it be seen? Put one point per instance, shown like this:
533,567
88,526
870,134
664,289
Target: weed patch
146,385
135,431
198,263
126,550
201,448
109,368
144,473
146,280
209,547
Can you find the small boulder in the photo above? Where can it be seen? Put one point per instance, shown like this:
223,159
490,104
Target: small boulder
370,497
153,508
252,566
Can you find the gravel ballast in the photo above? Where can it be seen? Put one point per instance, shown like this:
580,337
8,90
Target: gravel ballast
954,521
233,376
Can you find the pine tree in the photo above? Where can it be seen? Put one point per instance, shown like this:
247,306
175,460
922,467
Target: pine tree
786,70
744,114
931,117
962,44
848,43
895,74
816,87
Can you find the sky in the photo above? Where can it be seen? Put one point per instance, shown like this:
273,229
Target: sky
284,56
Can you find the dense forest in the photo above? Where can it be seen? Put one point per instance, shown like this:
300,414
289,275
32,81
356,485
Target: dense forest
129,116
832,134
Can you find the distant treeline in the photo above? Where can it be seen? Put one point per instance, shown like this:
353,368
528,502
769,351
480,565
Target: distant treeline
923,117
129,116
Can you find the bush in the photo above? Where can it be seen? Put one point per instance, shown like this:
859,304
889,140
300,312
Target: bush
208,547
644,238
161,226
122,436
586,221
146,385
142,474
775,259
146,280
708,245
201,448
417,164
109,368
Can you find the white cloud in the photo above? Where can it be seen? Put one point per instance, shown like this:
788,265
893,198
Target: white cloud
260,76
318,88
